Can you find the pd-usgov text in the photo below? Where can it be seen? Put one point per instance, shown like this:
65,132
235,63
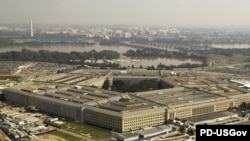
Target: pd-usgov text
222,132
235,132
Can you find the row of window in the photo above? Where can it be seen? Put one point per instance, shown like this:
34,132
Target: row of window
148,117
134,127
106,124
183,114
143,119
202,110
144,122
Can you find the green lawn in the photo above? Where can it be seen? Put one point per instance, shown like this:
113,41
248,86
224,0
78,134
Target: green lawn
86,130
65,136
220,60
12,78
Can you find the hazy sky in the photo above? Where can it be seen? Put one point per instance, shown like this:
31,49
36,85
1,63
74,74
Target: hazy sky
144,12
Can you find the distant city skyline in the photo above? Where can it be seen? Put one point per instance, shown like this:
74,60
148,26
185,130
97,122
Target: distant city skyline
128,12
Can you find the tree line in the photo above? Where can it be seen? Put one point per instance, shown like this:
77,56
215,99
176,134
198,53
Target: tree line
226,52
122,86
57,57
167,54
244,106
9,43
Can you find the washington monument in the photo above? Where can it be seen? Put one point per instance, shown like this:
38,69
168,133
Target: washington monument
31,28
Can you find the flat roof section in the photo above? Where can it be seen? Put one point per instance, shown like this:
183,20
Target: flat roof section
128,135
102,111
210,116
122,109
68,78
95,94
178,96
150,132
190,80
221,90
68,98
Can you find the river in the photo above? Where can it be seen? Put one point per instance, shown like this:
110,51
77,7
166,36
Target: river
68,49
120,49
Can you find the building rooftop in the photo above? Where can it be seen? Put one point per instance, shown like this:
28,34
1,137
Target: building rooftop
128,135
119,106
150,131
221,90
211,116
179,96
194,80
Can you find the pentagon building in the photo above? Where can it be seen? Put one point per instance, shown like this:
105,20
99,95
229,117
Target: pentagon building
190,96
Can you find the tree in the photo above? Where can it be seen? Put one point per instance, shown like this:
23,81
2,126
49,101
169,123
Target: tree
182,129
106,84
243,106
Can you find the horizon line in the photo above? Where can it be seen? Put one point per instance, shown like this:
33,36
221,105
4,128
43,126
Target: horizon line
125,24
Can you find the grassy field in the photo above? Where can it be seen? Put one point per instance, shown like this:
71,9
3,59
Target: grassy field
219,60
85,130
65,136
12,78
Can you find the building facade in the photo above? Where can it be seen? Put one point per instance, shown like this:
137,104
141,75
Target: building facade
124,114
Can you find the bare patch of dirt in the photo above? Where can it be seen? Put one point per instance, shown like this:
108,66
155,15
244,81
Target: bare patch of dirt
3,136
